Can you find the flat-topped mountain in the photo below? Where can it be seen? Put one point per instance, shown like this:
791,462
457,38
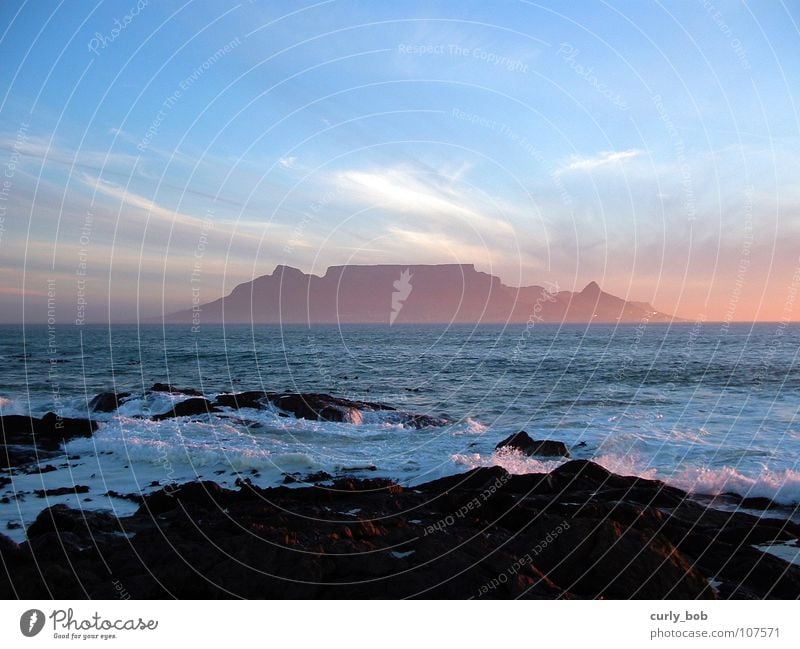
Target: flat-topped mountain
394,294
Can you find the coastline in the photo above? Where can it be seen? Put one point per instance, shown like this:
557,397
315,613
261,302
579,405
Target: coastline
576,531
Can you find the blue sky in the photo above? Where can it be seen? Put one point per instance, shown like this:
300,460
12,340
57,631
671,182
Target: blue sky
157,149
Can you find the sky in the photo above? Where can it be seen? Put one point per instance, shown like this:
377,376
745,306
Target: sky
156,154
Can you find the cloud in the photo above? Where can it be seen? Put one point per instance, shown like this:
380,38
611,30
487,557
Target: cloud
240,228
43,150
288,162
407,190
602,159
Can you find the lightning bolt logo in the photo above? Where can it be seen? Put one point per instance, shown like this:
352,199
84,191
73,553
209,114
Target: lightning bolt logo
31,622
402,289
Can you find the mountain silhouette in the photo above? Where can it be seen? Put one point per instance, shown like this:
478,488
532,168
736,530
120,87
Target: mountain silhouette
396,294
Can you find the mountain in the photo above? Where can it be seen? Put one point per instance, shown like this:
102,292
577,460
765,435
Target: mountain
409,294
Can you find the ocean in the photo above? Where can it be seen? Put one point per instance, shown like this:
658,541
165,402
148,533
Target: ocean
707,407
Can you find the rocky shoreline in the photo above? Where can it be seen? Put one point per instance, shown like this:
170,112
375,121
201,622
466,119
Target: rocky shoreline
578,531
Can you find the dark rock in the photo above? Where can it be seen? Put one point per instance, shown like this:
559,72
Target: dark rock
320,407
9,550
758,502
47,468
603,559
474,480
47,433
107,401
14,455
136,498
578,532
189,408
61,491
422,421
204,495
17,456
166,387
60,518
319,476
521,441
254,399
752,574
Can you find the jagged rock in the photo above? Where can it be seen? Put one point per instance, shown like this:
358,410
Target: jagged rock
577,532
188,408
47,433
521,441
205,495
253,399
61,491
107,401
167,387
321,407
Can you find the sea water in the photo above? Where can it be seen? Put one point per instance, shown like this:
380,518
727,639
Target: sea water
710,408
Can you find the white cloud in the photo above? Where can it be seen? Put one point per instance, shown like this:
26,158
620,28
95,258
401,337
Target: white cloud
602,159
406,190
288,162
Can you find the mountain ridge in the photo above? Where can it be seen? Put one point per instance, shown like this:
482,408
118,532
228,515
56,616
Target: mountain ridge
412,293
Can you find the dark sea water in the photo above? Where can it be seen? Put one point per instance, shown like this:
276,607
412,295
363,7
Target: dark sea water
707,408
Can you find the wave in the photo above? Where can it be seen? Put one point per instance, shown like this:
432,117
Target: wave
780,486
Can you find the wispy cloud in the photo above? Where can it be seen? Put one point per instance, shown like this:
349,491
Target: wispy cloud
407,190
602,159
43,150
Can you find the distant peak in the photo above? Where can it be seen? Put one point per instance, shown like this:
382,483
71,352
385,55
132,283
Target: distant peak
280,269
592,288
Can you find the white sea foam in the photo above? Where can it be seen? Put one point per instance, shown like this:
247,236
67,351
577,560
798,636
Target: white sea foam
511,460
782,486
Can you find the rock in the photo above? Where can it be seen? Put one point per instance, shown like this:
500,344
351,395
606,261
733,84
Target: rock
167,387
203,495
47,468
47,433
253,399
752,574
188,408
758,502
9,551
23,456
320,407
319,476
604,559
577,532
422,421
60,518
136,498
474,480
61,491
107,401
521,441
